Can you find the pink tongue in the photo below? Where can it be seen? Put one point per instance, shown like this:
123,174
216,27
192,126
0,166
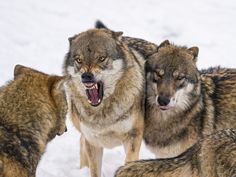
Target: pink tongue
93,96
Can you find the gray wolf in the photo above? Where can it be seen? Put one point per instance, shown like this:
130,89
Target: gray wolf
106,95
184,104
214,156
32,112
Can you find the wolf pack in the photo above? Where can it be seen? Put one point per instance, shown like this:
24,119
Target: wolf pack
120,90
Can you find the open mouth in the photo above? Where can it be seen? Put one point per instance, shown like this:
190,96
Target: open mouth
164,108
94,93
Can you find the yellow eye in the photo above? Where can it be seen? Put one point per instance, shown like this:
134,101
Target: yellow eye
102,58
77,59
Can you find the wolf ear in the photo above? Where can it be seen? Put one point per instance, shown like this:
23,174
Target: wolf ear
20,69
99,25
70,39
163,44
194,51
117,35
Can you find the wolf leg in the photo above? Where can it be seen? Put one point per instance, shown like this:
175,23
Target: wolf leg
134,139
83,154
94,155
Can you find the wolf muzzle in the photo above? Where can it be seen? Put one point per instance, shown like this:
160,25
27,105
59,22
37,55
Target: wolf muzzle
88,77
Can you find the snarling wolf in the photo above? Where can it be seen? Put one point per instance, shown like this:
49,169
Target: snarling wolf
32,112
106,92
214,156
184,104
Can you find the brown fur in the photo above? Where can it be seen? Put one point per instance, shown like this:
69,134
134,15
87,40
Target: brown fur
32,112
214,156
144,47
118,119
203,101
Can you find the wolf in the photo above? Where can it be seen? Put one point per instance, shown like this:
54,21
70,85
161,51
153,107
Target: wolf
33,108
184,104
106,95
213,156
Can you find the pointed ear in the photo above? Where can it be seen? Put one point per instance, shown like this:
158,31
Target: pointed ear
70,39
99,24
164,43
194,51
118,35
19,69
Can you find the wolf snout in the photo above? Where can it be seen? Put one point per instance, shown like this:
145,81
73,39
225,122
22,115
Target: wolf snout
88,77
163,100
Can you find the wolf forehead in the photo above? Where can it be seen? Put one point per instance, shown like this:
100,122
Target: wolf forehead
172,58
94,43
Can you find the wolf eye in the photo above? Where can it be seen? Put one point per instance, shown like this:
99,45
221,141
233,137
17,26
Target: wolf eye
78,59
102,58
180,78
181,81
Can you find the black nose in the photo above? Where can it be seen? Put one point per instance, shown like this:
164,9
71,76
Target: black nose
87,77
163,100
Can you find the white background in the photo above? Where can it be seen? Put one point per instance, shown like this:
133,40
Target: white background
35,32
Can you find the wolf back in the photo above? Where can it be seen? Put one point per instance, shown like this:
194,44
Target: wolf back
214,156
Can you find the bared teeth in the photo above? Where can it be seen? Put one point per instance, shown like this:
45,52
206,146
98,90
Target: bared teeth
91,86
94,93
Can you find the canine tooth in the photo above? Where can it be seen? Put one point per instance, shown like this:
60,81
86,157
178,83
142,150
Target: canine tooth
99,101
89,101
96,86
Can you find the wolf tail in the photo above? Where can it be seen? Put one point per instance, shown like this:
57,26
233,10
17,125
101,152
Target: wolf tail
99,24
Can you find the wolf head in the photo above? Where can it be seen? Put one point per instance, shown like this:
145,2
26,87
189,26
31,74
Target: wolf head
56,93
172,77
95,62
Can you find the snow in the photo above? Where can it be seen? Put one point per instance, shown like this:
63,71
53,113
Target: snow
35,33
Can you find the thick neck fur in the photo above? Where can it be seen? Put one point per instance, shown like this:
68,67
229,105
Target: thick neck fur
125,88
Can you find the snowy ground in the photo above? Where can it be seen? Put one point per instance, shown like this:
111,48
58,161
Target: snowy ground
35,32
